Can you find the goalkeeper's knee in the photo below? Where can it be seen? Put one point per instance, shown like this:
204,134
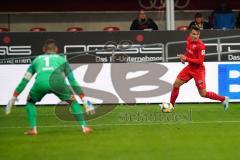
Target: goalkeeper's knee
30,100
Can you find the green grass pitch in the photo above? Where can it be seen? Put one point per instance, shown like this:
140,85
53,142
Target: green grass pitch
141,132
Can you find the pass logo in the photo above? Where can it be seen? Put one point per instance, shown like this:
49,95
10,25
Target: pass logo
15,50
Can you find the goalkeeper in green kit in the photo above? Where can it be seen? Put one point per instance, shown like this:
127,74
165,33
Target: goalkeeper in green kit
51,69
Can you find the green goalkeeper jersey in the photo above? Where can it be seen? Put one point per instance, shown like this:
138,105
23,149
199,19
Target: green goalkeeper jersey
49,69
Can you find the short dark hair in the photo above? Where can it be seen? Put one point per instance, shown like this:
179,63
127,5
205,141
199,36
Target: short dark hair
197,15
195,28
50,44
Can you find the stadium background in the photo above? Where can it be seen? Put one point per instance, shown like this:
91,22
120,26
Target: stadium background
127,131
94,15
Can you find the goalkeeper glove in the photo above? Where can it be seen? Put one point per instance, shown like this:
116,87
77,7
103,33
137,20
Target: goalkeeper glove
89,108
10,104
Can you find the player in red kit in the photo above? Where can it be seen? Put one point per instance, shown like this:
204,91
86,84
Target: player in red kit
194,55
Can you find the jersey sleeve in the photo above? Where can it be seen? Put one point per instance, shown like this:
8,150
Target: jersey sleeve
26,78
73,82
201,56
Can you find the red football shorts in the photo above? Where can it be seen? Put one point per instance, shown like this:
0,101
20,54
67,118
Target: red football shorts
198,75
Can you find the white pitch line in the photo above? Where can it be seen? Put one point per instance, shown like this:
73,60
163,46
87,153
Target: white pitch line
122,124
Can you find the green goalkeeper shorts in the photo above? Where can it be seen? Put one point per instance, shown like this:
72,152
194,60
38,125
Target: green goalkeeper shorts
40,89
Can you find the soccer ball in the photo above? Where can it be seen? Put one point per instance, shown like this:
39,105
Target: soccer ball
166,107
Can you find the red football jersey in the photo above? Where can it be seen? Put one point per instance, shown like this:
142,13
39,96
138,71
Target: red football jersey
195,54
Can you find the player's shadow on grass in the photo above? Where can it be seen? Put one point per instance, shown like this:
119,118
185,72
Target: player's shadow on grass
63,112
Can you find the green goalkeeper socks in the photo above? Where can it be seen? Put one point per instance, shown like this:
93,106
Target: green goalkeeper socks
78,113
32,115
76,110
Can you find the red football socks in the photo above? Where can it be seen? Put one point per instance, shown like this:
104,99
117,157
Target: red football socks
215,96
174,95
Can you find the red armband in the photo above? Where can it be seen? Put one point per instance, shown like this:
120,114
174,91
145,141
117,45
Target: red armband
15,94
